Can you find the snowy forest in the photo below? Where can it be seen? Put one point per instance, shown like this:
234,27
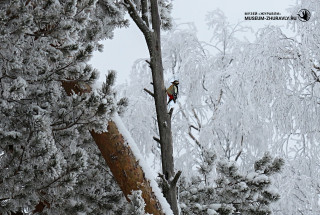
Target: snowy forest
241,135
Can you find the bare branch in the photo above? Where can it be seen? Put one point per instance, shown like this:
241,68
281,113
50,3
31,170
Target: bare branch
316,78
239,153
220,96
193,137
170,112
316,67
144,8
157,139
190,126
214,46
136,18
182,111
176,178
197,118
203,80
219,101
194,127
149,92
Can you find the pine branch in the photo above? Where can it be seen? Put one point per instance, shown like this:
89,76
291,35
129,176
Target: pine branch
27,2
4,199
54,71
57,179
70,125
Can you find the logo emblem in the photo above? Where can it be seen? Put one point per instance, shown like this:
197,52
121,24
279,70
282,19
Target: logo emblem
304,15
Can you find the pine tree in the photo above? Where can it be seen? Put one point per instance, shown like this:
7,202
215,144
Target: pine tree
233,191
46,154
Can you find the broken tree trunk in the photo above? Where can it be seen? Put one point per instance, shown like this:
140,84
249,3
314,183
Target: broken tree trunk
124,166
119,157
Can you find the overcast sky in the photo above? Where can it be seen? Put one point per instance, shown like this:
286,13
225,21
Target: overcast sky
128,44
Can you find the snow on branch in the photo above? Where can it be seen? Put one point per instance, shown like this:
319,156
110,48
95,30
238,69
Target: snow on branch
149,174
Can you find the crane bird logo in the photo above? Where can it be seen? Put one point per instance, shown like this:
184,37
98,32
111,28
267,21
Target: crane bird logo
304,15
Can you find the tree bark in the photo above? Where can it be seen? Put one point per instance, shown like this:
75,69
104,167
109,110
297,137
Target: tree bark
153,41
124,166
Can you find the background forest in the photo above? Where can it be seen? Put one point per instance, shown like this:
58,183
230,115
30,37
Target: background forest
244,128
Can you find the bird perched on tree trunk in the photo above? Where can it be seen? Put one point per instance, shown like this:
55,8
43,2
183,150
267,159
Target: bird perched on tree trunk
173,91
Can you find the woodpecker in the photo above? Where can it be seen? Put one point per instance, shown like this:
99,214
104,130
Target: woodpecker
173,91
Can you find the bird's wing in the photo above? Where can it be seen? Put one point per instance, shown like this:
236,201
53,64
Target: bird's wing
176,90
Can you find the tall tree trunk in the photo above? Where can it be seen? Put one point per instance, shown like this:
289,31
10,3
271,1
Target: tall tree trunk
164,119
153,40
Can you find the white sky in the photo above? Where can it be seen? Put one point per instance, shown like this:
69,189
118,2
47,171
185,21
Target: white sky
129,45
